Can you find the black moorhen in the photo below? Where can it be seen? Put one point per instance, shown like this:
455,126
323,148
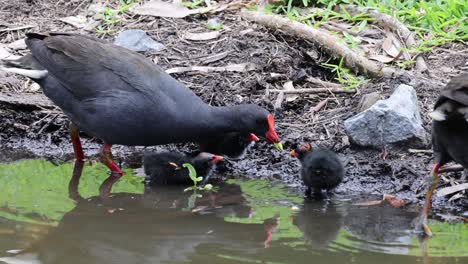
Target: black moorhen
120,97
449,136
321,169
233,145
166,168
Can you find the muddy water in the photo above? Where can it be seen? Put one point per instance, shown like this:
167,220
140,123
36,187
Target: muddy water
48,216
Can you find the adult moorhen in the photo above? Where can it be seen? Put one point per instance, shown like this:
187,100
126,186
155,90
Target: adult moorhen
449,136
120,97
166,168
233,145
321,169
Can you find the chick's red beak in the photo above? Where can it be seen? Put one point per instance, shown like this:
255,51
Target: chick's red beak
293,153
271,135
253,137
216,159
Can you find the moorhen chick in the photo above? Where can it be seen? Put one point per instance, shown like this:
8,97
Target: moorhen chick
321,169
121,97
233,145
449,136
166,168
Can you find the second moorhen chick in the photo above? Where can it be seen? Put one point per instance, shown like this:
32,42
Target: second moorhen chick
449,136
121,97
166,168
233,145
321,169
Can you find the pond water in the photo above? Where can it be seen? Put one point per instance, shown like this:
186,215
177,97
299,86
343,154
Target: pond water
47,216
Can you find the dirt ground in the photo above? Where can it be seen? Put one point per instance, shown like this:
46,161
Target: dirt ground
39,130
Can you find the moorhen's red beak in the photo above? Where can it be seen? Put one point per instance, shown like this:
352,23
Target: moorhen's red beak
253,137
293,153
271,135
216,159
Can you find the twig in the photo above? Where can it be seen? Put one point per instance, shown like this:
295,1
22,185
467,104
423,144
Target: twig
17,28
323,38
314,90
243,67
452,168
385,20
425,151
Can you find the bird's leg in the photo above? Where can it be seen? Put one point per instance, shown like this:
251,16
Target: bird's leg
106,186
434,178
75,138
106,158
308,192
75,181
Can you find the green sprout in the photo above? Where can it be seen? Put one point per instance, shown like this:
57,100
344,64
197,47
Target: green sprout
195,179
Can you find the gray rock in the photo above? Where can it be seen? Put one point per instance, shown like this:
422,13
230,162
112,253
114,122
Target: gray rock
367,101
137,40
393,120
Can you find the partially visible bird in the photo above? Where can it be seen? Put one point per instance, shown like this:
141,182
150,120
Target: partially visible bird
121,97
321,169
449,136
166,168
233,145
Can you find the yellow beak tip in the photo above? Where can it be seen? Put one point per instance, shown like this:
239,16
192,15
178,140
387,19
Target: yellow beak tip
278,146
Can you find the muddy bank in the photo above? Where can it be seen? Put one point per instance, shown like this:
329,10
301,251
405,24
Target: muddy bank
40,130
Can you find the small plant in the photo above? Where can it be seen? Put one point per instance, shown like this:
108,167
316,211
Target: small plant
215,26
344,75
195,179
193,4
112,17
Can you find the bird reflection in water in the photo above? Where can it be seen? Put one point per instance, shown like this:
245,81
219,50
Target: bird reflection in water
156,226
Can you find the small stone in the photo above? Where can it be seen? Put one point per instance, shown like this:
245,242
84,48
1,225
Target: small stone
137,40
390,121
367,101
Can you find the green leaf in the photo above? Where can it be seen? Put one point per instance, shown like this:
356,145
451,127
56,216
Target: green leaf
192,172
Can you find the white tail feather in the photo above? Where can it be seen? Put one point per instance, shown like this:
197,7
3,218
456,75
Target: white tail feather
437,115
33,74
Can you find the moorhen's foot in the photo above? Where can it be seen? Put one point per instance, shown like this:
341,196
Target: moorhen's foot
107,160
422,227
75,138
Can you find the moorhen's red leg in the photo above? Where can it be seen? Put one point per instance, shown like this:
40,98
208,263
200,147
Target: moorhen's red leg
75,138
107,160
422,224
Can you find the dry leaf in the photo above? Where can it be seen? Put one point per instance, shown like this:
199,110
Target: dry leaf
288,86
161,9
17,45
5,54
381,58
394,201
202,36
319,106
79,22
389,47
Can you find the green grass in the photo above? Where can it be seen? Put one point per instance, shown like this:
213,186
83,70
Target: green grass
433,22
113,16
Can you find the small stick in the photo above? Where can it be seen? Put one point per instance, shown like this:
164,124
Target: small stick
313,90
452,168
17,28
452,189
325,40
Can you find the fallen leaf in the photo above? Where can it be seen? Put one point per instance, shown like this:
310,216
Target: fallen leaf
5,54
17,45
202,36
79,22
394,201
389,47
288,86
319,106
161,9
381,58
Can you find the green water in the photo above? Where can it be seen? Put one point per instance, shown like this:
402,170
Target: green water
243,222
